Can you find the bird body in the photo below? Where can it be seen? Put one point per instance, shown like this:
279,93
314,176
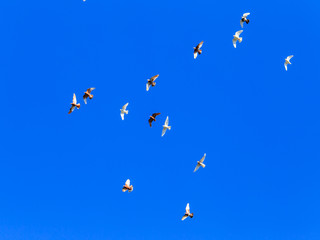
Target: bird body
165,126
127,186
187,214
74,104
244,19
124,111
197,50
87,94
151,82
200,163
236,37
287,61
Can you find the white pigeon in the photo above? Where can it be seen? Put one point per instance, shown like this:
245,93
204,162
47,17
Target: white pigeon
287,62
165,126
244,19
200,163
124,111
187,214
236,38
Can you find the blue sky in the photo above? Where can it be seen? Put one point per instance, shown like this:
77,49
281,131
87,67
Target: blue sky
61,175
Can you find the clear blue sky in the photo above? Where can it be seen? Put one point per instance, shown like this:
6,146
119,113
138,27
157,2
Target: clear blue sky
61,175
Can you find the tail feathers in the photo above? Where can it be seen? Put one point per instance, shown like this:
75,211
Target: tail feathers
78,105
240,39
191,215
90,96
203,165
247,21
126,112
169,127
199,51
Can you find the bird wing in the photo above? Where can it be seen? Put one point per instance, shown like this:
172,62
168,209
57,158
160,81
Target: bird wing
245,15
197,167
241,23
167,121
122,115
154,77
202,159
150,121
155,114
74,99
238,33
125,106
188,208
234,41
195,54
163,131
148,86
285,66
71,109
127,182
85,98
199,45
289,57
90,89
184,217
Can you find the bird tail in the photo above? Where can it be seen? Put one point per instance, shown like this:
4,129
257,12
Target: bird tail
191,215
90,96
247,21
199,51
169,127
126,111
203,165
131,188
240,39
78,105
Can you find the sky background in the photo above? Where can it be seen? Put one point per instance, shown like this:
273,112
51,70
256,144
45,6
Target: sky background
61,175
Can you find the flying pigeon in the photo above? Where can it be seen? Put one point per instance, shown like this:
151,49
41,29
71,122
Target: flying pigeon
236,38
74,104
200,163
127,186
124,111
197,50
153,118
165,127
287,62
244,19
87,94
151,82
187,214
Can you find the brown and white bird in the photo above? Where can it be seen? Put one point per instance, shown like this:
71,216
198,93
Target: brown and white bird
244,19
74,104
151,81
88,94
127,186
236,37
153,118
197,50
187,214
287,61
200,163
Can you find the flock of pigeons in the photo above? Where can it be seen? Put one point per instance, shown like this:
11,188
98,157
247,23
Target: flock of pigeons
151,83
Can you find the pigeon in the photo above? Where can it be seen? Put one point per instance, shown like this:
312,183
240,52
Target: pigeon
153,118
87,94
187,214
197,50
200,163
244,19
236,38
74,104
124,111
287,62
165,126
127,186
151,82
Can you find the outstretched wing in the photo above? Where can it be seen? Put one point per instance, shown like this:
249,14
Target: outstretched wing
289,57
74,99
241,23
90,89
148,86
155,114
200,45
154,77
127,182
167,121
202,159
122,115
163,131
245,15
188,208
195,54
184,217
85,98
238,33
71,109
125,106
150,122
234,41
285,66
197,167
